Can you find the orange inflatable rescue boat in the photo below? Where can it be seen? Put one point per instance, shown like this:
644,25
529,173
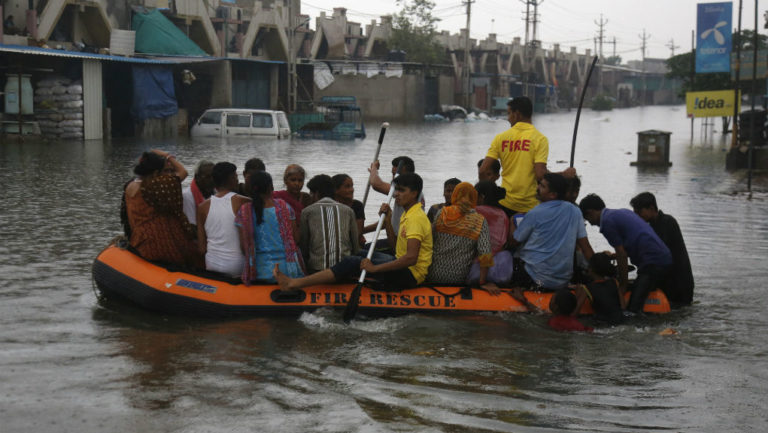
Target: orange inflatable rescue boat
121,273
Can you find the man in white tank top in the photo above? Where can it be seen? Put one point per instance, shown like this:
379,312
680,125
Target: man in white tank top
217,235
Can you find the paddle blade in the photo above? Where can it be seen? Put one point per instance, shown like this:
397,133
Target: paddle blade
354,300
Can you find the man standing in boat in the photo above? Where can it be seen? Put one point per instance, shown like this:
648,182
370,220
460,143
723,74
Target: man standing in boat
523,152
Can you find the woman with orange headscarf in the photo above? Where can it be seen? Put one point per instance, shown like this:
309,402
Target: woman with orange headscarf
460,236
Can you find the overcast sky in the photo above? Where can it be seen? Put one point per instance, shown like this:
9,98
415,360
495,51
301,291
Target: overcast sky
568,22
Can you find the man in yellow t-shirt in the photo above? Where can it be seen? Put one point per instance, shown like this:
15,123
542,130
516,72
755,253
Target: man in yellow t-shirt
412,245
523,152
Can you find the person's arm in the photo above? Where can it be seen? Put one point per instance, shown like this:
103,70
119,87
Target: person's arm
354,237
483,275
369,228
376,182
202,214
623,270
585,247
484,252
408,259
178,168
581,298
540,169
295,230
391,235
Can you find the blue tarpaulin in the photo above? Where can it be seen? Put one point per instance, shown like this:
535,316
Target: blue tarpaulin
153,93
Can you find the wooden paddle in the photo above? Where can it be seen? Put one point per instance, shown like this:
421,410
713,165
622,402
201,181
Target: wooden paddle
578,112
354,297
384,127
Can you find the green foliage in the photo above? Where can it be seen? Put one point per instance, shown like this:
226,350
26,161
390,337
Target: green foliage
414,29
602,103
681,66
612,60
746,37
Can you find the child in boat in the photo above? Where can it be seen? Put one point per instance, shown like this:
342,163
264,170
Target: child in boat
268,233
603,291
292,194
448,187
345,194
563,307
412,243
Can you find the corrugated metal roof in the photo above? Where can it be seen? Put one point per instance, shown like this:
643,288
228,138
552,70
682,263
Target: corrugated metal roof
157,60
187,59
19,49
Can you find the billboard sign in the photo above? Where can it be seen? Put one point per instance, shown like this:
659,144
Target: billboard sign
713,103
713,40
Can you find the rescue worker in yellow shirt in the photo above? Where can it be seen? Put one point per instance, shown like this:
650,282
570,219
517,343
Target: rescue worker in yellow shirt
523,152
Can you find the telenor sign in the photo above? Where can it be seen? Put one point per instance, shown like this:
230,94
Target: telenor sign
713,37
714,103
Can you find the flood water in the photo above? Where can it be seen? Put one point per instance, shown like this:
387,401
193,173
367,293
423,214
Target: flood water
71,363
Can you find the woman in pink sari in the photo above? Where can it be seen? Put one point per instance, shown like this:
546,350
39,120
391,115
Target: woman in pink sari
488,196
268,234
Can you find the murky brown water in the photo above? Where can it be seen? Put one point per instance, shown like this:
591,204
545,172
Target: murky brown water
69,363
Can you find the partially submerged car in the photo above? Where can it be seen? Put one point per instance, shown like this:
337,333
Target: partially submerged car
236,122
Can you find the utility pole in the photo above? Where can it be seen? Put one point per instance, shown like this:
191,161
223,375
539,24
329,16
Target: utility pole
467,59
644,38
601,34
614,46
671,45
292,78
531,41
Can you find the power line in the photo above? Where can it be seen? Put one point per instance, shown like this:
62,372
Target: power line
671,45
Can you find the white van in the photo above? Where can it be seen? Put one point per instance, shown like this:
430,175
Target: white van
233,122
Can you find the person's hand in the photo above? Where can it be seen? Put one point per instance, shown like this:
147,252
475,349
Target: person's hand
374,168
367,266
386,210
569,172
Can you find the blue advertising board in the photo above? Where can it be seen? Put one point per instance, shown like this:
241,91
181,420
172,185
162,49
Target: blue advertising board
713,40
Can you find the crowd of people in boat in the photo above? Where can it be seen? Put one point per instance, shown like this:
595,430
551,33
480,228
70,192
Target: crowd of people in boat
527,234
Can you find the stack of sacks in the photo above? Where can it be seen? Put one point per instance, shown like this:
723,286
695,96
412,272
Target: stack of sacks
59,107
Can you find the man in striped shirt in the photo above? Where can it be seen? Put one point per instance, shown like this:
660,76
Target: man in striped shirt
328,228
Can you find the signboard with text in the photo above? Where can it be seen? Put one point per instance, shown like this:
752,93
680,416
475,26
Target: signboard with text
747,62
713,103
713,37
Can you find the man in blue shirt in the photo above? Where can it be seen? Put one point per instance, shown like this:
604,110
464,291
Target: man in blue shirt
548,235
632,238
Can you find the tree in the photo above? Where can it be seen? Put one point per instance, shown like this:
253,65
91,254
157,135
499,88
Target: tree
681,66
612,60
414,30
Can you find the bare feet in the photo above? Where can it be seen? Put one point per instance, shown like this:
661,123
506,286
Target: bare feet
282,280
517,294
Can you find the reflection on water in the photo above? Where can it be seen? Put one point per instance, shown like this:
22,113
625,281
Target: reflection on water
70,363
